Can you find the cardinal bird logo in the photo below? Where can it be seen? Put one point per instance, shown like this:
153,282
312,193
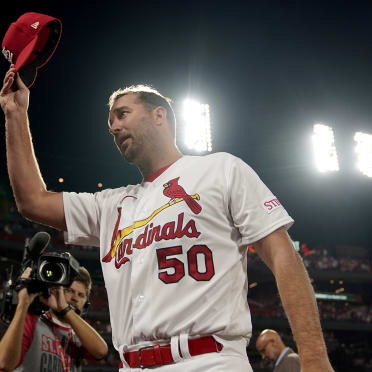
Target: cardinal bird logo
173,190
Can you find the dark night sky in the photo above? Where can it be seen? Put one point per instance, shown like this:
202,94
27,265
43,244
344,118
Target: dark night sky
268,69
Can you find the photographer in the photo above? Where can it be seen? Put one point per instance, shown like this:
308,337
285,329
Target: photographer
56,340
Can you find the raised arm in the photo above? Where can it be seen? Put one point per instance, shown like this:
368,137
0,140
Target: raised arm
297,295
11,343
32,198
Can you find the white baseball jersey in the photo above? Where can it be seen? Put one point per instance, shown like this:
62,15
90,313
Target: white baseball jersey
173,251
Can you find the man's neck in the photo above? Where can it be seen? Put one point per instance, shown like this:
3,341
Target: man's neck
153,164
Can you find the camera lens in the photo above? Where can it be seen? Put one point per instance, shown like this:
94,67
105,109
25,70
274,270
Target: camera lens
53,272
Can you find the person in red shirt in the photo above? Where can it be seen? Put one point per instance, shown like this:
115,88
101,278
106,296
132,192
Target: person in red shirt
58,339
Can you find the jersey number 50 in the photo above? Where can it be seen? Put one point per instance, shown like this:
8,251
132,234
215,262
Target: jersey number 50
195,255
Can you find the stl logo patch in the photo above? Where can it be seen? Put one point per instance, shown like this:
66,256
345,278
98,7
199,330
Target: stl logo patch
271,205
35,25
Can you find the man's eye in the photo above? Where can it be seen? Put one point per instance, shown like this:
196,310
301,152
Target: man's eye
123,114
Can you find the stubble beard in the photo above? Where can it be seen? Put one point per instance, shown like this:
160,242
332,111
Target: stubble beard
135,153
130,154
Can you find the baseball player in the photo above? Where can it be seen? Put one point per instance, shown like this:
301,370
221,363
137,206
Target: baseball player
173,248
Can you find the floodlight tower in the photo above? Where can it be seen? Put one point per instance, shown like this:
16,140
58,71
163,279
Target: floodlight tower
325,153
197,126
363,149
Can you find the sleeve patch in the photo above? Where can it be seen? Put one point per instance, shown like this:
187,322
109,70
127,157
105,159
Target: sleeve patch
271,205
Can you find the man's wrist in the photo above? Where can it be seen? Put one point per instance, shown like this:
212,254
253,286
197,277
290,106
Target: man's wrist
23,305
62,313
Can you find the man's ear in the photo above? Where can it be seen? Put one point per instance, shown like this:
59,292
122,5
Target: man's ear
160,115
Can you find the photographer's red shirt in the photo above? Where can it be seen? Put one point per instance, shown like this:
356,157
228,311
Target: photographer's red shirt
50,346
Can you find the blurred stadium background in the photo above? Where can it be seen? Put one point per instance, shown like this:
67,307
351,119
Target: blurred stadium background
269,72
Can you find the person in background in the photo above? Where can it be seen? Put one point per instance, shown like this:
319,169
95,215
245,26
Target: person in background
57,340
270,345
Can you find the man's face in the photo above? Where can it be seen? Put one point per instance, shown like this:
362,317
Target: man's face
76,295
267,349
131,125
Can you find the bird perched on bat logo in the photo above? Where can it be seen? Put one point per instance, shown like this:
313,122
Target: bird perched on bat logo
173,190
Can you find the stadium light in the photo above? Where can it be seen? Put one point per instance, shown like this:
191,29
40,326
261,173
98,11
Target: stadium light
198,127
324,148
363,149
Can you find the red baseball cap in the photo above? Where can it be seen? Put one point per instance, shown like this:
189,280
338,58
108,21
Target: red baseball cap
30,42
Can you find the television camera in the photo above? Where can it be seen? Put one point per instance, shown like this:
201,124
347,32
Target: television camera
49,269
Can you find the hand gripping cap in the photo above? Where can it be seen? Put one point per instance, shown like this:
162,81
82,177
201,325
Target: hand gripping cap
30,42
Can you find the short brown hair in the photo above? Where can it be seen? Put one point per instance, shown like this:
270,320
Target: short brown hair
84,278
150,98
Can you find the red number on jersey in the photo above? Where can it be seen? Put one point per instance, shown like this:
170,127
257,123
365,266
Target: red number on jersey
173,269
167,263
192,257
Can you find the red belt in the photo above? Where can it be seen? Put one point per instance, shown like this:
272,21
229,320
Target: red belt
157,355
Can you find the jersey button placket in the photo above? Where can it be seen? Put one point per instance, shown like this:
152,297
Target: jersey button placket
137,290
139,269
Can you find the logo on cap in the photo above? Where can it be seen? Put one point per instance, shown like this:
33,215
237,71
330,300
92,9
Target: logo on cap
35,25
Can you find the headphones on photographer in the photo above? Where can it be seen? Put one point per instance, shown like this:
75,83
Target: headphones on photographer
85,308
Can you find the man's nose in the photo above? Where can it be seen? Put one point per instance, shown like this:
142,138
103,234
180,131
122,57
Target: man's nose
115,127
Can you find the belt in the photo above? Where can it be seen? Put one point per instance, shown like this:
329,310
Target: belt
158,355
